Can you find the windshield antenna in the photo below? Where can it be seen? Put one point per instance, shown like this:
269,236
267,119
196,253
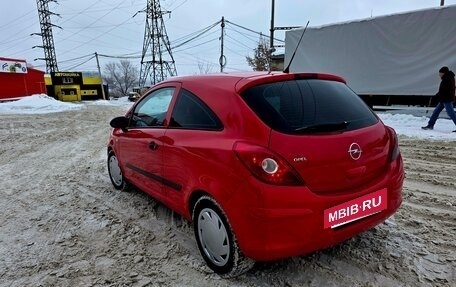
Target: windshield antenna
287,69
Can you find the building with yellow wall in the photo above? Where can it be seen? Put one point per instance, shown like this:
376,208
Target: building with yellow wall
75,86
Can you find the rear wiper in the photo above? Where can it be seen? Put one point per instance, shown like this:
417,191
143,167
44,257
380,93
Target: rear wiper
321,128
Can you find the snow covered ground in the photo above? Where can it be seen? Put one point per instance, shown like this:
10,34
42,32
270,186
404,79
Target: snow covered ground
43,104
123,101
63,224
409,125
37,104
405,124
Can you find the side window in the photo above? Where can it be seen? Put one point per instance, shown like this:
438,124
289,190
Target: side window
191,113
151,111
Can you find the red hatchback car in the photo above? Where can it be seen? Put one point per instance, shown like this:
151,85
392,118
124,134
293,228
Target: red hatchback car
265,165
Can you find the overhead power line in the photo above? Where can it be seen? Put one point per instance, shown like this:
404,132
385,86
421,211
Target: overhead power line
77,58
120,57
78,65
198,45
92,23
21,18
201,33
250,30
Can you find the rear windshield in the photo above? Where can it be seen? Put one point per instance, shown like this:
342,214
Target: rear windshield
309,106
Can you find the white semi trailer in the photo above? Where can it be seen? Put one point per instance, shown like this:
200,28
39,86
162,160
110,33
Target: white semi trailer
388,59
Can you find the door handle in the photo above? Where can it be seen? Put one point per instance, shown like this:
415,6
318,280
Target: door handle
153,145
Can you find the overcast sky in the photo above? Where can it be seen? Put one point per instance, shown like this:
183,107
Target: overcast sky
114,28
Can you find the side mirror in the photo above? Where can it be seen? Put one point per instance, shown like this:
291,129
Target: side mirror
119,123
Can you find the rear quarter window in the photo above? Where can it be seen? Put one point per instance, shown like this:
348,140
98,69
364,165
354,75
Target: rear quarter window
293,106
192,113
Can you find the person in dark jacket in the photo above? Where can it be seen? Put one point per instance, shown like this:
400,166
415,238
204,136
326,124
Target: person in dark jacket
446,96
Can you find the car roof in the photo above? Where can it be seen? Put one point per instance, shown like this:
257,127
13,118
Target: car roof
244,80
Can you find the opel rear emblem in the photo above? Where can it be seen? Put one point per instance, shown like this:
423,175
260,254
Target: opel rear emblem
355,151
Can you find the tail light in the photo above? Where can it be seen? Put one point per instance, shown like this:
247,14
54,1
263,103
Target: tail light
394,145
266,165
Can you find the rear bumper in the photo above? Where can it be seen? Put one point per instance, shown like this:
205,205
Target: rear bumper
290,220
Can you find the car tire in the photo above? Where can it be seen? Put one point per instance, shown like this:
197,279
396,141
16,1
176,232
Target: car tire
216,241
115,173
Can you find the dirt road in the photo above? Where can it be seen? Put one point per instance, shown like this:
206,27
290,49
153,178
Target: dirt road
63,224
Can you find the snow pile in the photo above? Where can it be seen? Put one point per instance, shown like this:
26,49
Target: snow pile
37,104
122,101
410,126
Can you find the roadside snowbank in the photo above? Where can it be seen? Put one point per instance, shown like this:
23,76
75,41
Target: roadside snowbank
410,126
37,104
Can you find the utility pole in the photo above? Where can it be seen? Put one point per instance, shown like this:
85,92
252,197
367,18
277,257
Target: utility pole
157,43
101,78
271,30
46,35
222,59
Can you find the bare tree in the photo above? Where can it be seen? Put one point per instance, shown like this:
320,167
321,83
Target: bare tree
205,68
121,77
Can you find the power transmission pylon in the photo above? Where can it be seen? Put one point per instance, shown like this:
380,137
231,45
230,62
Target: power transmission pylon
46,35
156,41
